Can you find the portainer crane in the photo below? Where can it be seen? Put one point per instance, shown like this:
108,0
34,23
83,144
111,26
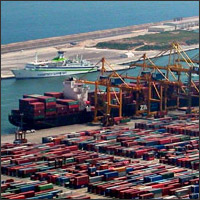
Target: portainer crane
152,85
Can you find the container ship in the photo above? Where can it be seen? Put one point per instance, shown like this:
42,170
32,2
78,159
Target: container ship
76,104
54,108
59,66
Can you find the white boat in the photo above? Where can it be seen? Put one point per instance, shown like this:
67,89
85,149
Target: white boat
59,66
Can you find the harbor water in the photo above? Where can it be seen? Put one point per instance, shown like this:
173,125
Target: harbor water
12,90
28,20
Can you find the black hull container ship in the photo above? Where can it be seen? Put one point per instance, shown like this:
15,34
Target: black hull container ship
75,105
54,108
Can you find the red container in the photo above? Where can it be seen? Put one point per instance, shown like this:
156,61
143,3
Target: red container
26,101
52,113
73,148
81,180
57,95
28,194
37,105
73,106
164,141
146,196
61,108
49,105
166,189
17,197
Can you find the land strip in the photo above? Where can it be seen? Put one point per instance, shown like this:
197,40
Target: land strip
16,55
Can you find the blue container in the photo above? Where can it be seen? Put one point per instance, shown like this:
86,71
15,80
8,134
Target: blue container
194,196
111,174
62,180
92,169
45,196
185,178
195,188
161,146
116,81
129,169
27,188
152,178
157,76
102,172
54,192
163,130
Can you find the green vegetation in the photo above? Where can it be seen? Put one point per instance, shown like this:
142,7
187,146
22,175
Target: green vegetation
168,37
153,47
118,45
193,41
157,41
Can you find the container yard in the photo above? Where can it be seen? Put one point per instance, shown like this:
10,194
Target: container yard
144,143
157,158
128,131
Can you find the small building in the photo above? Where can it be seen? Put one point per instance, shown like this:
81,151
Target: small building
161,28
127,55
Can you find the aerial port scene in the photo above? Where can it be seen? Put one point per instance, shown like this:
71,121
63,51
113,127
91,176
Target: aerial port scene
100,100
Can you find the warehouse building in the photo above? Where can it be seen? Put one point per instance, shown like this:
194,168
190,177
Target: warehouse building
182,24
161,28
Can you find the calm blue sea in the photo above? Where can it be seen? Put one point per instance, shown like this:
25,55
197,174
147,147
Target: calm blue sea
26,20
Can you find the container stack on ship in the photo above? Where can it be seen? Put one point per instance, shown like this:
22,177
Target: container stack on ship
54,108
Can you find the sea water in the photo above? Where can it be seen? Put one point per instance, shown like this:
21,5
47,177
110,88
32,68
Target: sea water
27,20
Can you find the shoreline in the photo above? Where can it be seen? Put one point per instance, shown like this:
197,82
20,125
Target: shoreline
17,55
120,68
58,40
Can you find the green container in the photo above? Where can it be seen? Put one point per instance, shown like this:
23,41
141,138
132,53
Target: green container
163,153
72,103
45,187
168,175
69,160
51,99
185,137
50,110
125,120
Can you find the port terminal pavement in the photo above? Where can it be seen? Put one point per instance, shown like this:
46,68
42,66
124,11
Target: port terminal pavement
37,138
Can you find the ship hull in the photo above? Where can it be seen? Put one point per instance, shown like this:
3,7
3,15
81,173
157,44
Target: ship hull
24,74
62,120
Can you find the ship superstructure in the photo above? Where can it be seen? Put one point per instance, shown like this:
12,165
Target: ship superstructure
59,66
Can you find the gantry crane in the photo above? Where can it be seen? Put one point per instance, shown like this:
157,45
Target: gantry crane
171,69
157,90
106,81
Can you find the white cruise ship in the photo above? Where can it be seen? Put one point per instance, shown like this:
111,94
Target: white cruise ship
59,66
